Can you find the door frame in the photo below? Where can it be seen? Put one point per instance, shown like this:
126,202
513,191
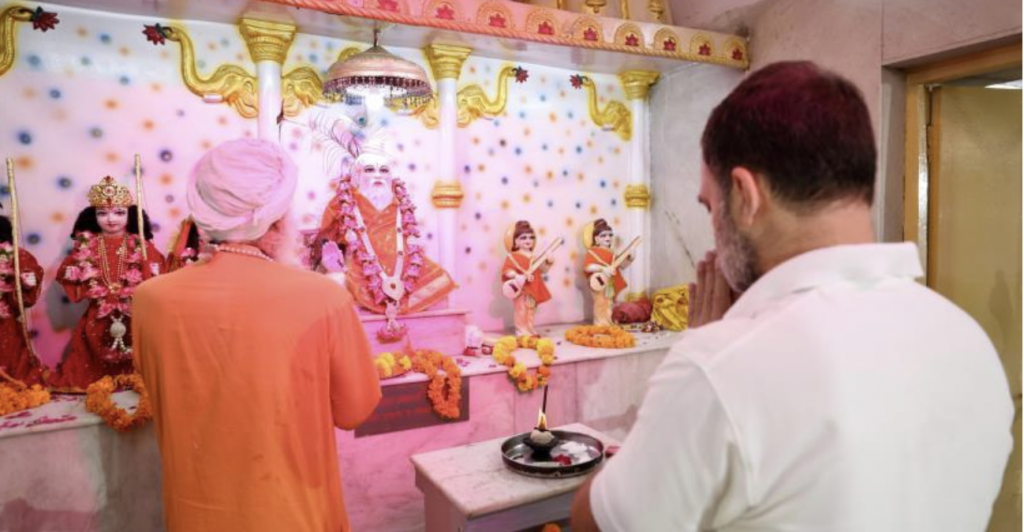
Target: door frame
916,191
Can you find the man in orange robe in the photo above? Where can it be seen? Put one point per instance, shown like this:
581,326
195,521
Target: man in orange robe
250,364
373,198
598,263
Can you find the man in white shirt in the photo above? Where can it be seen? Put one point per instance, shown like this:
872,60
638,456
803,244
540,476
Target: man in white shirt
836,393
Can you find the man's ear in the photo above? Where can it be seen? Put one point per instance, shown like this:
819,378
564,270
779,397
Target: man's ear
747,196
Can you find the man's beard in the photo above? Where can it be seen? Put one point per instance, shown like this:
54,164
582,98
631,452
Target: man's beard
736,254
380,196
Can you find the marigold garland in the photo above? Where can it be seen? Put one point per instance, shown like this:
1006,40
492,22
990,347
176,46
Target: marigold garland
524,380
603,336
444,391
392,365
99,402
16,396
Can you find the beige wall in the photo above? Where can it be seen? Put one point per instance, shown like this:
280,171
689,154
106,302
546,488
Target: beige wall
916,30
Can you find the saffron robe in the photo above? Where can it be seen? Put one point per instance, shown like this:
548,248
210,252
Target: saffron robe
605,257
250,365
535,288
433,284
15,357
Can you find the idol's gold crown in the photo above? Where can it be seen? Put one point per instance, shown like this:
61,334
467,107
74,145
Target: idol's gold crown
109,193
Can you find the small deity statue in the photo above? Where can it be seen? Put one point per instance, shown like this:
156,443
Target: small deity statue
104,266
604,269
522,274
184,249
16,357
372,218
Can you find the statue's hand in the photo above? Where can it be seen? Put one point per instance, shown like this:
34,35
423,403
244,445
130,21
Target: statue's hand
521,279
331,258
29,279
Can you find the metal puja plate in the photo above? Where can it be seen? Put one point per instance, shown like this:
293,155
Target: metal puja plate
575,454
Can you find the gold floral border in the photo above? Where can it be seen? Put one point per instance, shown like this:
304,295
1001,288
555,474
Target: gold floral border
666,40
537,18
490,13
580,26
630,34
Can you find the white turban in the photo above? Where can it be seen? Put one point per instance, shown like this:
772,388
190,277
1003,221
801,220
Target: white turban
240,188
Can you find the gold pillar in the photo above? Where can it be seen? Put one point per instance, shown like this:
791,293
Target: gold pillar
446,60
267,41
447,194
637,196
637,83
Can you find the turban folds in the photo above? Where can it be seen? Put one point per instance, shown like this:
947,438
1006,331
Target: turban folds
240,188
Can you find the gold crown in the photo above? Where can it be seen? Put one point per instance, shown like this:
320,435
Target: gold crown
108,193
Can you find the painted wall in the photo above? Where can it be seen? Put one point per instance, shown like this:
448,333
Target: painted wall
915,29
83,98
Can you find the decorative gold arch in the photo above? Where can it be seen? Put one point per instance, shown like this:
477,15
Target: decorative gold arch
630,34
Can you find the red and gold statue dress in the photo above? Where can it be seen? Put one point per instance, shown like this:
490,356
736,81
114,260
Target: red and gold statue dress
104,269
16,358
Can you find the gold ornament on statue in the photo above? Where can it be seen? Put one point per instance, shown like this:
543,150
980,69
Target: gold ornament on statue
109,193
378,73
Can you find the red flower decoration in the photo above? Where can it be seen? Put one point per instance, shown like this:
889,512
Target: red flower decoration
576,80
632,40
545,28
496,21
705,49
669,45
445,12
388,5
155,34
521,74
737,54
590,34
44,20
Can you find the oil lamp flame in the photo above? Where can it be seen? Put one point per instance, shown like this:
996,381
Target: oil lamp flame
542,421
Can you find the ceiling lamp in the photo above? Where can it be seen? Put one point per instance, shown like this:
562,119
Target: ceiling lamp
377,73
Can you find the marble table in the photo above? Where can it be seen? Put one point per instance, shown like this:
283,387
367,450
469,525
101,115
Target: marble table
468,488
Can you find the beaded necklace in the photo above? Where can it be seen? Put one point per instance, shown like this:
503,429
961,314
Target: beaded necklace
249,252
113,283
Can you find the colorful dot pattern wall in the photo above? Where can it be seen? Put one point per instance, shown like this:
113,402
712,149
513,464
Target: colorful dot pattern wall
82,99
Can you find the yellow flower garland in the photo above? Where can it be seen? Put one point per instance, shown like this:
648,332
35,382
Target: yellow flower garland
524,380
603,336
16,396
392,365
99,402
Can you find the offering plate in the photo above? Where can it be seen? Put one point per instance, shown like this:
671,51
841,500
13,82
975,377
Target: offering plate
558,462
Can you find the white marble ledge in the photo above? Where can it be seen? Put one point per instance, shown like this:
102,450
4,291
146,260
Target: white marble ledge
61,413
565,353
475,479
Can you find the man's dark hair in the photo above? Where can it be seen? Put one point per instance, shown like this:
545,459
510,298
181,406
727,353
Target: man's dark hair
86,221
805,130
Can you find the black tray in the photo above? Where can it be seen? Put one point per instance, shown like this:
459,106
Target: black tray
523,460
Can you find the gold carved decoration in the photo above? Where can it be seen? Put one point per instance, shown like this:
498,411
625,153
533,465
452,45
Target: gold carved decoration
666,40
656,8
542,22
496,15
441,9
445,60
614,117
630,34
637,196
596,5
587,28
624,10
702,45
267,41
300,88
736,49
637,83
472,101
229,83
447,195
9,18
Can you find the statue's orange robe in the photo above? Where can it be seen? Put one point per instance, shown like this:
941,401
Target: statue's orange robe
535,288
431,288
250,365
607,257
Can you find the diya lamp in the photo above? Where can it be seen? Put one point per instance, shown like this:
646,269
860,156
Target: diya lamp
542,440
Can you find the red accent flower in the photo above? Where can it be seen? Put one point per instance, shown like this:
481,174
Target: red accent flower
496,21
737,54
155,34
590,34
545,28
521,74
445,12
44,20
669,45
705,49
576,80
388,5
563,459
632,40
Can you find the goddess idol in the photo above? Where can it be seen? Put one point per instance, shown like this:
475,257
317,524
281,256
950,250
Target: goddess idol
523,274
106,263
16,357
372,218
603,268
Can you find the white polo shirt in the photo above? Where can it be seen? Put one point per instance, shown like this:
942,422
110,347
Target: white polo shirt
837,394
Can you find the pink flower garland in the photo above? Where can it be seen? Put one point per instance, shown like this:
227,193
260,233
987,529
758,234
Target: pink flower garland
369,263
6,277
86,272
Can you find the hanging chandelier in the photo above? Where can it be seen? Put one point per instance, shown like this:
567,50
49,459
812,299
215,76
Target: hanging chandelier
377,73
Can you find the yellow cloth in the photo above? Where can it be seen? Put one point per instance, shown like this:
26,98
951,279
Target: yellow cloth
250,366
671,307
